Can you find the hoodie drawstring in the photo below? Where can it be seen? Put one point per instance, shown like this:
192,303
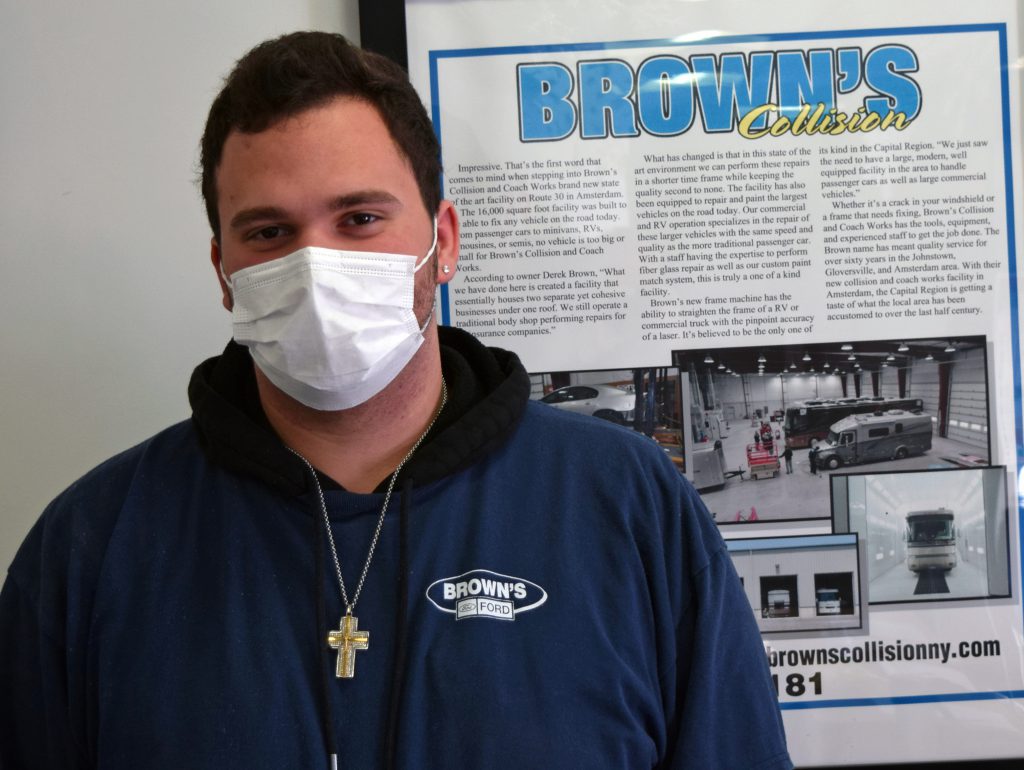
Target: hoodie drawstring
326,717
401,616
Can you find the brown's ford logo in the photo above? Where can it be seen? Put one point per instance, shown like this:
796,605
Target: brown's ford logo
481,593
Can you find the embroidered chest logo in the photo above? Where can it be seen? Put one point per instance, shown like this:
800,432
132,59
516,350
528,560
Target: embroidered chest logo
481,593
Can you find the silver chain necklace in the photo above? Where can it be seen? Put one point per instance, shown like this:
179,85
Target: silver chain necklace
347,639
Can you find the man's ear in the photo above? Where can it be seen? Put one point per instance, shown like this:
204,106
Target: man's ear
447,241
218,269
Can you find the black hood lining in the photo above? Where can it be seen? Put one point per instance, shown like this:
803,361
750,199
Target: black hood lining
487,392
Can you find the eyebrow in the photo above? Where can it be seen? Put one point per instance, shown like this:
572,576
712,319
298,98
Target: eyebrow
246,217
363,197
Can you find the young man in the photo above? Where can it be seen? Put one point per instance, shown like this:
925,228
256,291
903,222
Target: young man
367,548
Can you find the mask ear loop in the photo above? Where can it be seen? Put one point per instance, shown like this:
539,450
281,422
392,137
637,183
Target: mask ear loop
227,281
422,262
430,251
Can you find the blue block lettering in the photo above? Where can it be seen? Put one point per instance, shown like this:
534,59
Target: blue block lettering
882,70
665,95
726,93
545,111
805,80
605,105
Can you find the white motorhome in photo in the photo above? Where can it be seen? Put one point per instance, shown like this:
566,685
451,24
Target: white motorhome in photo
778,604
931,540
828,601
862,438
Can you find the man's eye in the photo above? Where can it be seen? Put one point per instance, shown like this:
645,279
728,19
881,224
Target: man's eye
268,233
362,218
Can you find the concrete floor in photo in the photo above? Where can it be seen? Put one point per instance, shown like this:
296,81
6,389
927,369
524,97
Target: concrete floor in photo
809,620
800,495
898,584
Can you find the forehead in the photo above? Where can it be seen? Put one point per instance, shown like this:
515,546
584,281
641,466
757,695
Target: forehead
326,150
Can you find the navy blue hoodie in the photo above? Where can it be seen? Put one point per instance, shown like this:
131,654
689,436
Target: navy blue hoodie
547,592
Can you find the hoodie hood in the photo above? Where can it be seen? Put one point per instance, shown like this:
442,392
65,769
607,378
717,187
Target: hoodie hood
488,389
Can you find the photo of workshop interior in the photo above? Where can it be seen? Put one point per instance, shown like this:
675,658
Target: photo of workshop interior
928,535
766,426
805,583
646,400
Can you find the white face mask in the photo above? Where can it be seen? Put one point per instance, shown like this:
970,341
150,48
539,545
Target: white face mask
330,328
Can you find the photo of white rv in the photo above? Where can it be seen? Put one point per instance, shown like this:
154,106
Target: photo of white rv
931,535
801,584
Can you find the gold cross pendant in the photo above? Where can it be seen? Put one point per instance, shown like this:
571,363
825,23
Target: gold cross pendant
346,640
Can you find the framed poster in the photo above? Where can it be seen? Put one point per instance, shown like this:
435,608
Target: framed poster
789,234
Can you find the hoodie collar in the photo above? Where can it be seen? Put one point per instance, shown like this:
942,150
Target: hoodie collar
488,390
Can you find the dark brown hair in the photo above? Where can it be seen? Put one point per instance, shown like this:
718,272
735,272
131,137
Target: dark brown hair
281,78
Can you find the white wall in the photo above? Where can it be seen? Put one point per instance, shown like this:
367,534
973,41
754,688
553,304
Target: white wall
772,391
618,377
923,383
968,400
107,300
890,382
